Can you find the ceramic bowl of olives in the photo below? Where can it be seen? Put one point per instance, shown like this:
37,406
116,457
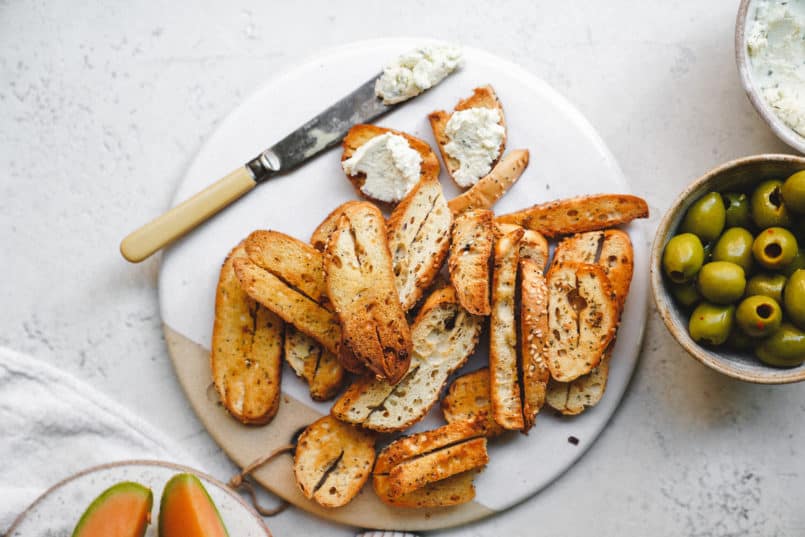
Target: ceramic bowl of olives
728,269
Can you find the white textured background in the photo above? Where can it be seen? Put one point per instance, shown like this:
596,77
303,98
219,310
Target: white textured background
104,104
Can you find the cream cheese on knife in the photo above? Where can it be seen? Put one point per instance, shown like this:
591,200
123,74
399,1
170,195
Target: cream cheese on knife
415,71
392,167
776,46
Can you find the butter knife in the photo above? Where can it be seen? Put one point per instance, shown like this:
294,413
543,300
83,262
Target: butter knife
317,135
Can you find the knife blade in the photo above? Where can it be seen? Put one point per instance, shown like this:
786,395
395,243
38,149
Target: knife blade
314,136
322,132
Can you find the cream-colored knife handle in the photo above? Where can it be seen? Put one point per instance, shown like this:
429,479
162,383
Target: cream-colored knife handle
162,231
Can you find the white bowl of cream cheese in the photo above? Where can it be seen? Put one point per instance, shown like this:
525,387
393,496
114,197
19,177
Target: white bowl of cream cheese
770,52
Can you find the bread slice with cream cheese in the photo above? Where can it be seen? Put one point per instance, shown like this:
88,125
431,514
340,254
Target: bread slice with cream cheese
387,187
482,98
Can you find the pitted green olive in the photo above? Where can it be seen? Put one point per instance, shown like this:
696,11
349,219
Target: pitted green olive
686,294
737,210
784,348
758,316
793,191
706,217
710,324
735,246
774,248
721,282
767,284
683,257
767,205
794,298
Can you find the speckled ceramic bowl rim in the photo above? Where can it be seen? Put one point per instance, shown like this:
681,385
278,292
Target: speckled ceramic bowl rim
138,462
710,359
778,126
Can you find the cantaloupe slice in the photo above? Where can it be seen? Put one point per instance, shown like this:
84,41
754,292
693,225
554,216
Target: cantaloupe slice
186,510
123,510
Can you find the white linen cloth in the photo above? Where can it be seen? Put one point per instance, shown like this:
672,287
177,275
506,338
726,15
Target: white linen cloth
52,425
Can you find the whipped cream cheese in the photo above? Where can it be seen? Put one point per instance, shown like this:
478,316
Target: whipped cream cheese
415,71
475,138
391,166
776,46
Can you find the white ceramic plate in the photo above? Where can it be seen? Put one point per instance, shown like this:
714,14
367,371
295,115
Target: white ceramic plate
568,158
58,510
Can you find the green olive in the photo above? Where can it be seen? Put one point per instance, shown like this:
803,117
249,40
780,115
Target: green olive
686,294
706,217
794,298
722,282
758,316
767,205
784,348
767,284
793,191
737,210
735,246
739,341
710,324
683,257
774,248
797,263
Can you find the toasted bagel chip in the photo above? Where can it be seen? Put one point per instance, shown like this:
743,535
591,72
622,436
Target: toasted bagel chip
419,239
423,469
408,447
444,335
296,263
507,408
317,366
616,256
468,399
246,350
533,332
490,188
332,461
579,214
454,490
321,235
470,251
413,474
360,285
289,304
582,318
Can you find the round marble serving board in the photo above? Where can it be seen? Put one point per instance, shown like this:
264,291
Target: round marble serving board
568,158
58,510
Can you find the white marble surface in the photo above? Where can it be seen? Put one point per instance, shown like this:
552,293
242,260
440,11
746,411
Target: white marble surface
103,104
